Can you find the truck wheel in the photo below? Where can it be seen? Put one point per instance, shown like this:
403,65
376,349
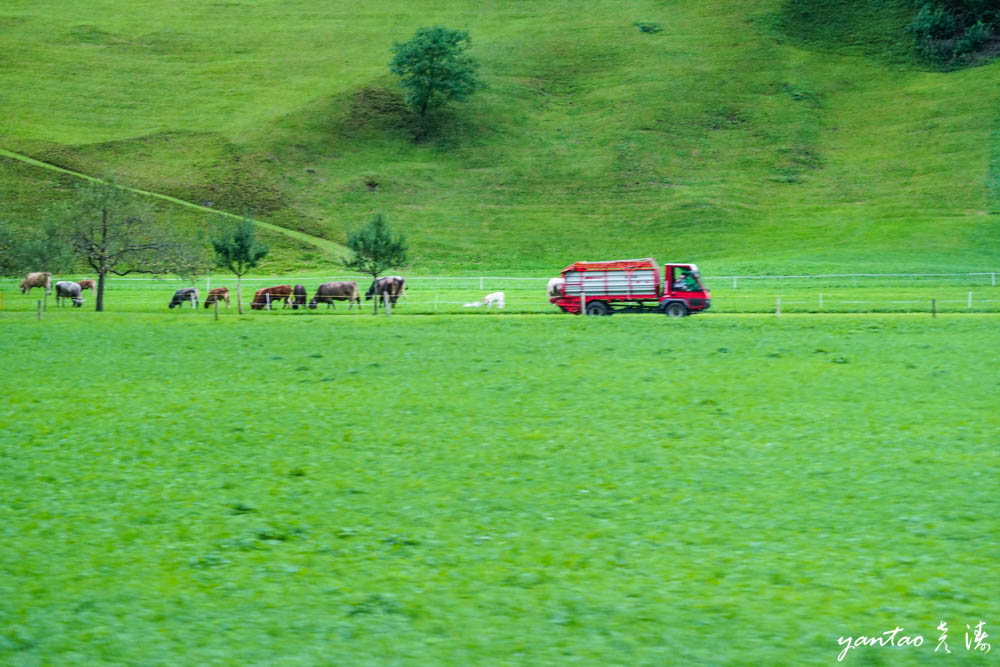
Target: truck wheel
675,309
598,308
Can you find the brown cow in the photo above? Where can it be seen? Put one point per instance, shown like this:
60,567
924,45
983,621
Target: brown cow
217,294
86,283
342,291
39,279
266,297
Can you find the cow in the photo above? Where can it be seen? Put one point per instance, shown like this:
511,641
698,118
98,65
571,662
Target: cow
185,295
555,287
263,298
342,291
66,289
299,298
494,299
392,287
217,294
86,283
39,279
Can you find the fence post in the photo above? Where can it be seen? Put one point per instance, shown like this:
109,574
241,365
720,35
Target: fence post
993,277
45,298
194,304
734,282
216,309
480,282
821,301
933,307
970,300
388,304
777,307
39,310
267,297
855,281
435,302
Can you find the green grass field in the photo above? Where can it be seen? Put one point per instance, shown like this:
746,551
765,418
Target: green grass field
507,490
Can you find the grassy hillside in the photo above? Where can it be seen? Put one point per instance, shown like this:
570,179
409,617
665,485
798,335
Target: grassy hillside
746,136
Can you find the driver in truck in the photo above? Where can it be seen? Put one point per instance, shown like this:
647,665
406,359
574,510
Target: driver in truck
686,282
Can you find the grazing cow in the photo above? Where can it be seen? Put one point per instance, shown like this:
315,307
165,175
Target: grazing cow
392,287
86,283
270,295
185,295
494,299
299,298
66,289
342,291
217,294
555,286
39,279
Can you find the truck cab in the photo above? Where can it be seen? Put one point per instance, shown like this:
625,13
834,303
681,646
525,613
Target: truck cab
682,286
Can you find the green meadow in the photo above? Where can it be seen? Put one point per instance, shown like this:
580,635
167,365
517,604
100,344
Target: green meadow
502,490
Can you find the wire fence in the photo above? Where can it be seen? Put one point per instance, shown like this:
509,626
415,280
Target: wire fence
896,292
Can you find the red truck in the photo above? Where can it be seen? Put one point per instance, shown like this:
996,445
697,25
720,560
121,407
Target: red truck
630,285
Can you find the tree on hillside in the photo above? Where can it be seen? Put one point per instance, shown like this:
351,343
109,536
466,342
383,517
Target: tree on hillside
375,249
237,250
42,247
114,232
435,69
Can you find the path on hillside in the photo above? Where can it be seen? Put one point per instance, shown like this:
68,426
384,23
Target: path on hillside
334,249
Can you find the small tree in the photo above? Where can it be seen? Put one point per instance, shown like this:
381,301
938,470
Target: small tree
114,232
375,249
237,250
434,68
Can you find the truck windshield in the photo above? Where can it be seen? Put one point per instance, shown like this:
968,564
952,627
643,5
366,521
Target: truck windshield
685,280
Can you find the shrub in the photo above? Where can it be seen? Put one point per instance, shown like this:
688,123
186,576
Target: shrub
976,36
648,26
949,30
932,23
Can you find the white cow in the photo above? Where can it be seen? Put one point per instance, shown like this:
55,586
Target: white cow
494,299
555,286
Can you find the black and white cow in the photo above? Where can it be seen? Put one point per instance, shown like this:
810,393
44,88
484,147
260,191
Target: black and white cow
185,295
391,287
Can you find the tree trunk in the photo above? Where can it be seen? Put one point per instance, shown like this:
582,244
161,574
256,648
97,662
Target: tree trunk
99,303
102,271
239,295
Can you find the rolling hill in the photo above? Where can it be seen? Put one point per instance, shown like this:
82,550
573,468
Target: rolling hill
747,136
